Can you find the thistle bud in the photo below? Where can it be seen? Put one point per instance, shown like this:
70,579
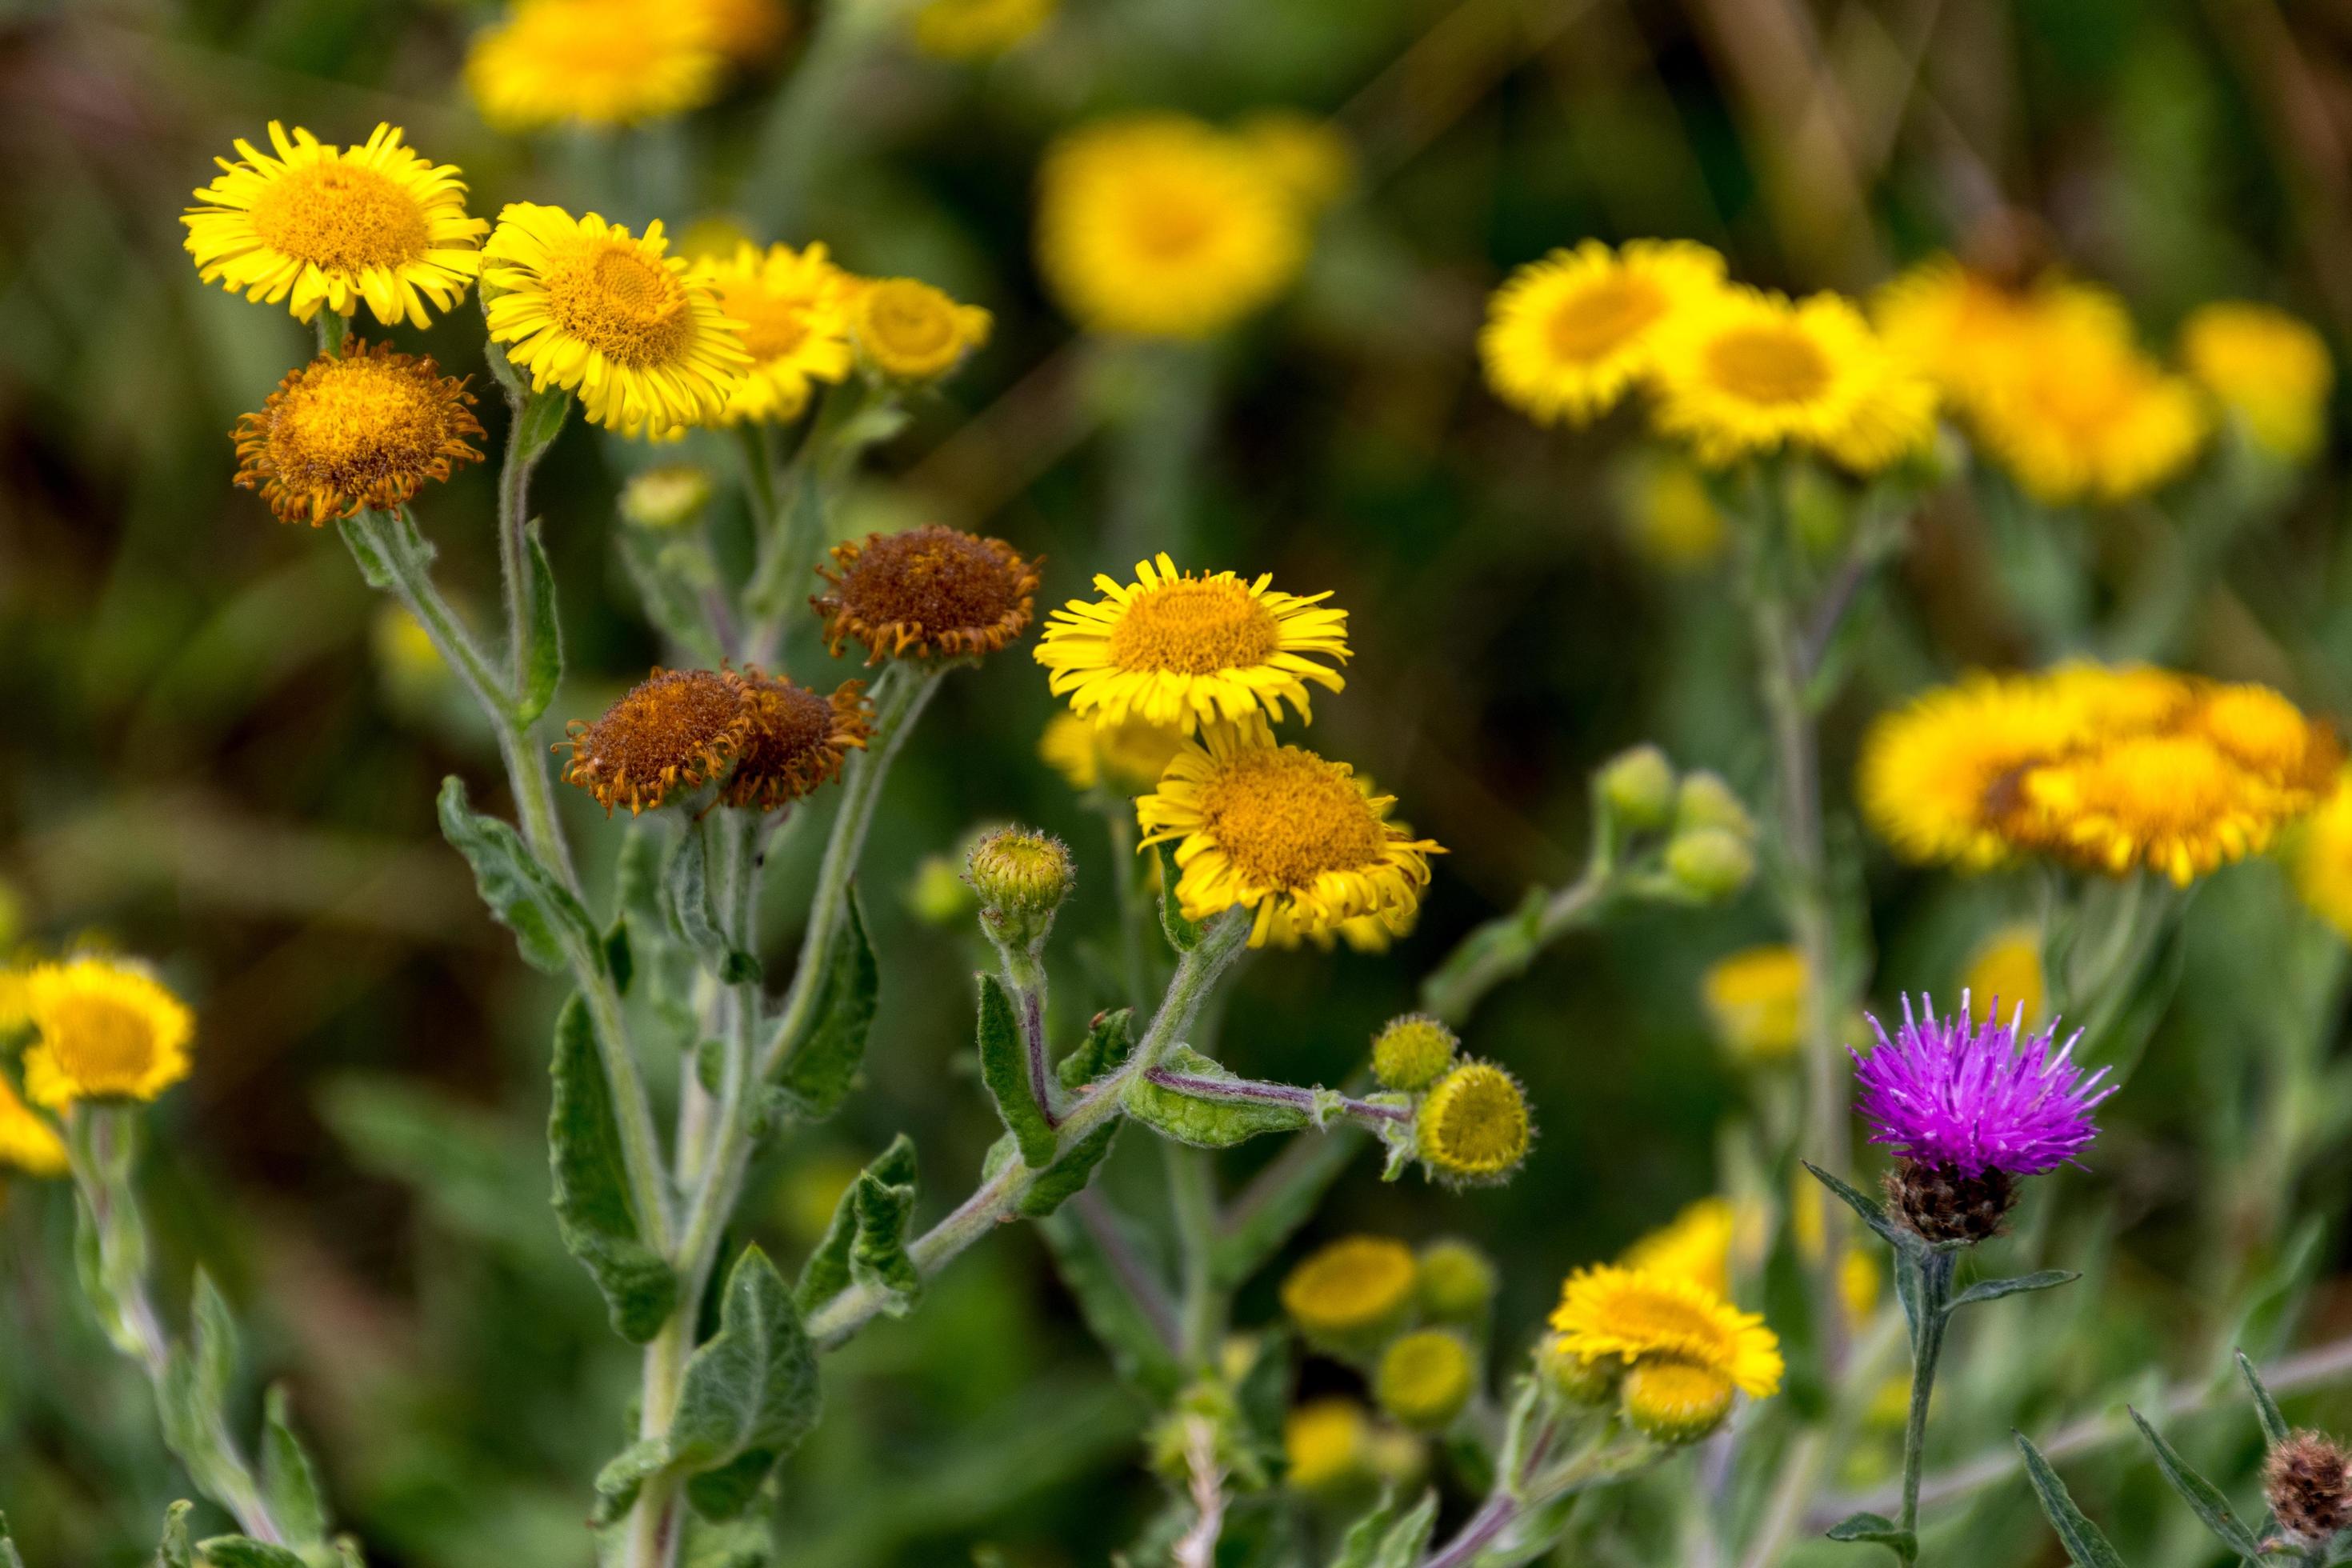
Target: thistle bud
2308,1484
1022,877
1706,800
1425,1378
1638,788
1675,1402
1709,864
1938,1203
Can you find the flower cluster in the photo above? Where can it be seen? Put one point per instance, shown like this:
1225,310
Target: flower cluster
1412,1325
770,740
1671,1350
2107,769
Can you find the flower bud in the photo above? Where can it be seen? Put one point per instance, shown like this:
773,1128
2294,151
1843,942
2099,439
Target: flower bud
2308,1485
938,894
667,496
1324,1443
1022,877
1457,1283
1706,800
1940,1204
1425,1378
1351,1295
1410,1052
1638,788
1675,1402
1580,1379
1473,1126
1709,864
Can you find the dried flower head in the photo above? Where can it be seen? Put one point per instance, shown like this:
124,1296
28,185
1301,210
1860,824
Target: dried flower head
1943,1204
674,730
107,1030
1357,1288
1674,1401
2307,1482
366,428
1977,1096
1425,1378
926,593
1410,1052
795,739
1474,1126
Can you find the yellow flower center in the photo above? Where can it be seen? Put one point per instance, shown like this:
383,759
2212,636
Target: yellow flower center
341,217
774,325
98,1042
1475,1121
1284,817
1170,223
1770,365
909,324
1598,319
2149,785
619,300
1195,626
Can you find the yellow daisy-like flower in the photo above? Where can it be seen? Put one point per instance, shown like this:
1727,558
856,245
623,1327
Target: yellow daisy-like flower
27,1143
2174,803
977,29
1126,758
1354,1287
1324,1443
1741,372
1634,1316
2320,857
2079,414
1159,225
584,305
795,307
1473,1127
1281,831
105,1031
908,330
2006,970
1176,650
2267,368
595,62
365,428
1568,335
1755,1001
318,226
1695,1246
1963,329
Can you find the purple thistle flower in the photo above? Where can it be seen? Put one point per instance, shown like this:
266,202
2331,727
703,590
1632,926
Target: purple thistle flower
1948,1093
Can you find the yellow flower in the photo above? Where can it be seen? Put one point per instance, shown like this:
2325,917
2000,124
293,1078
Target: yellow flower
1425,1378
317,224
1159,225
584,305
926,593
1305,154
1126,758
1675,1402
2006,970
1176,649
365,428
1695,1246
2079,414
1323,1442
1410,1052
1281,831
1634,1316
911,331
1755,1001
1670,518
595,62
1352,1291
27,1143
1741,372
2320,857
1474,1128
795,307
975,29
105,1031
404,653
1565,336
2269,369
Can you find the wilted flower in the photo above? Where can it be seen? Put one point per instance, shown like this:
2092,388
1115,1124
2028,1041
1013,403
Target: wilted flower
794,740
926,593
365,428
2307,1482
674,730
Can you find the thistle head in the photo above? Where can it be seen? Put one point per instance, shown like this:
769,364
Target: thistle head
2307,1482
1949,1093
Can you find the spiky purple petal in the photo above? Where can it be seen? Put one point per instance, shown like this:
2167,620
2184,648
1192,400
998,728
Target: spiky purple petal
1950,1093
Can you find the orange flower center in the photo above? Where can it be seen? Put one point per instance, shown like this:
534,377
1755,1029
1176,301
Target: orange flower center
619,300
1195,626
1601,317
1284,817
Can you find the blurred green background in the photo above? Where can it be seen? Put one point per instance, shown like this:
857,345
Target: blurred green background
208,757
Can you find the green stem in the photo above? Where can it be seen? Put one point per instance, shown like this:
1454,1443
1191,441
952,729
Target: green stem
1504,946
1931,1274
1193,1199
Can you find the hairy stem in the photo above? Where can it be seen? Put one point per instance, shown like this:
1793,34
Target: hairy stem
1504,947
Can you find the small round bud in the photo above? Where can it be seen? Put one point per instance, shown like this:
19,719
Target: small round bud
1940,1204
668,496
1710,864
1425,1378
1016,870
1352,1294
1473,1126
1706,800
1638,787
1675,1402
1457,1283
1580,1379
1410,1052
1324,1443
938,894
2308,1485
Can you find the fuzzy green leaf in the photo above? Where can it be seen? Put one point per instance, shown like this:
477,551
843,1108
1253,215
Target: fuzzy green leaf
288,1477
1069,1175
830,1267
2202,1495
367,551
2086,1547
547,921
1183,934
243,1552
1873,1212
593,1207
685,890
1110,1039
1198,1119
623,1476
821,1068
1994,1289
2275,1426
174,1551
216,1356
1879,1530
1119,1292
539,421
543,669
1004,1068
749,1395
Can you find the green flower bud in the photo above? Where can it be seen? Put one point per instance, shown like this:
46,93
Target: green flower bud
667,496
1675,1402
1425,1378
1022,877
1638,788
1456,1283
1409,1053
1577,1379
1710,864
1706,800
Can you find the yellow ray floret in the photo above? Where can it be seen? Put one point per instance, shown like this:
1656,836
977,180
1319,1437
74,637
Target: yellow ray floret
1635,1315
1176,650
105,1031
1568,335
27,1143
2079,414
2320,856
584,305
2270,370
1281,831
596,62
794,309
315,225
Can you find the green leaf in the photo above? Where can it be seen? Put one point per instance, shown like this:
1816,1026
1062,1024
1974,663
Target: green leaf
2275,1426
749,1394
877,1258
828,1271
2202,1495
543,669
1381,1540
173,1551
821,1068
216,1355
1110,1039
367,551
1004,1068
288,1477
593,1205
687,893
1877,1528
538,422
1199,1120
547,921
243,1552
1873,1212
1067,1176
1994,1289
623,1476
2086,1547
1183,934
1120,1294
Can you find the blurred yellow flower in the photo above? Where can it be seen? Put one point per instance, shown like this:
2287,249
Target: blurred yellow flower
2006,969
976,30
105,1030
1323,1442
2079,414
1425,1378
1355,1287
1158,225
1696,1245
1635,1315
2320,857
1968,332
909,330
317,225
363,427
1473,1127
794,309
584,305
1670,518
1305,154
670,496
1755,1001
2265,367
1126,758
27,1143
1742,371
595,62
404,650
1567,336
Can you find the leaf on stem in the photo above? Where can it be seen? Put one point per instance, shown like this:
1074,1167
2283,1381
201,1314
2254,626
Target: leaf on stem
1873,1212
1120,1294
593,1210
1200,1119
288,1481
175,1549
1004,1068
1381,1540
367,551
868,1239
2086,1547
820,1069
685,887
543,669
243,1552
2202,1495
1879,1530
538,421
2275,1427
1067,1176
1108,1042
547,921
1183,934
1994,1289
749,1394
